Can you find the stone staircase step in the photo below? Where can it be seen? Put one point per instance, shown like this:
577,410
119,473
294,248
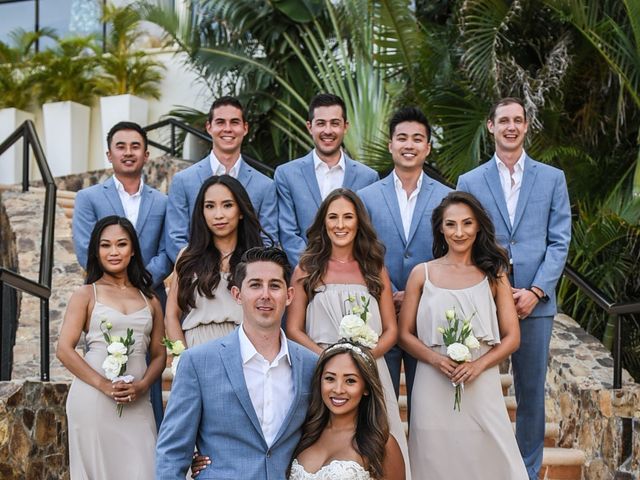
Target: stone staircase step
562,464
511,403
551,433
506,380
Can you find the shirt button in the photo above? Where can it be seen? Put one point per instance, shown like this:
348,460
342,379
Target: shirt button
269,453
406,255
513,242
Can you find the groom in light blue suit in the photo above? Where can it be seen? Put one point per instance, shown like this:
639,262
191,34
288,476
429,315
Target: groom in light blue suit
125,194
227,127
303,183
400,207
241,399
529,205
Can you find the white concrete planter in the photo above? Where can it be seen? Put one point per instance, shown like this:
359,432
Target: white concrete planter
66,131
11,160
121,108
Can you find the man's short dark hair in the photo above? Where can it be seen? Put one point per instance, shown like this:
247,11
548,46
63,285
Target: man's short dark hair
226,101
327,100
409,114
262,254
127,126
506,101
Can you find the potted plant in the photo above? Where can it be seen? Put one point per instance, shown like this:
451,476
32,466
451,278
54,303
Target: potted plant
67,86
17,89
127,75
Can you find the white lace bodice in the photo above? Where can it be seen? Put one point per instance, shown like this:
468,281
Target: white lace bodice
336,470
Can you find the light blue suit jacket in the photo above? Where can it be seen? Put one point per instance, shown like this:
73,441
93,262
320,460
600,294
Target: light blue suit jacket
299,198
102,200
184,190
210,407
403,254
538,241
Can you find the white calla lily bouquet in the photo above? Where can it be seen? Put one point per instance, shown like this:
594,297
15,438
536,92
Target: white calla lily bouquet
459,339
118,349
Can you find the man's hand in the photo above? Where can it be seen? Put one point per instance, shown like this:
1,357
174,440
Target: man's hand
398,298
525,301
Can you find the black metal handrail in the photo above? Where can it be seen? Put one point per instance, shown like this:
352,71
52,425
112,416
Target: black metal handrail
619,309
174,123
8,278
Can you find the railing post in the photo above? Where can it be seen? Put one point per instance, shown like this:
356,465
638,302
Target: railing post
617,354
25,159
6,343
173,140
44,340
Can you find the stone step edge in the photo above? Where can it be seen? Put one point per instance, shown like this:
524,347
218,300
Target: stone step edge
563,456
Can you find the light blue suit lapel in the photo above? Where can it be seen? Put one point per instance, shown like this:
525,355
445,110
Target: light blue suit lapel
232,360
296,369
109,188
389,193
528,179
349,173
245,174
146,203
426,191
309,174
492,177
204,171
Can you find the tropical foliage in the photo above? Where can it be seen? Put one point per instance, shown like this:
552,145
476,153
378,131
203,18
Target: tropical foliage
124,68
576,63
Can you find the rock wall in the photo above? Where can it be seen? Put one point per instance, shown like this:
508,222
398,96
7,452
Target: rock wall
592,416
25,213
33,431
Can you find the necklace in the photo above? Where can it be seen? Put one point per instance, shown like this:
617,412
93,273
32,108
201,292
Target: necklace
341,261
225,254
124,287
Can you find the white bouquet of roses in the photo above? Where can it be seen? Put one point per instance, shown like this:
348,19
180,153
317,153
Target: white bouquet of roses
118,349
354,327
459,339
175,348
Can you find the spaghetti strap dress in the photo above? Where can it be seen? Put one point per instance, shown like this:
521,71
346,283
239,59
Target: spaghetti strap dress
324,313
103,445
477,442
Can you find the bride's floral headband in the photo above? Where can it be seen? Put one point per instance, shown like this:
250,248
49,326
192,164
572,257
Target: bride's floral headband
345,344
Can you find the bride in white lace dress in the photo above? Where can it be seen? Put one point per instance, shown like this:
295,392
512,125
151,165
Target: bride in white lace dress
346,433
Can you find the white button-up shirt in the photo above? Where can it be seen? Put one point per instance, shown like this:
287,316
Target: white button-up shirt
511,183
328,178
219,169
407,204
130,203
270,385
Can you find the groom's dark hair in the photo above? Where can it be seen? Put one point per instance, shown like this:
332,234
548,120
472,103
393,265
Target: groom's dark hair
262,254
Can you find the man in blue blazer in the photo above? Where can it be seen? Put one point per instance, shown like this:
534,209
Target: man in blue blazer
227,127
303,183
126,195
529,205
400,207
241,399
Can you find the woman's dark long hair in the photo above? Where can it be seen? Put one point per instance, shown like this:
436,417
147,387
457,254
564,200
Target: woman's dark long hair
201,260
138,275
372,424
368,251
486,254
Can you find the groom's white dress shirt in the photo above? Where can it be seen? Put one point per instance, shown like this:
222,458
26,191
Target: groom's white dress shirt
270,385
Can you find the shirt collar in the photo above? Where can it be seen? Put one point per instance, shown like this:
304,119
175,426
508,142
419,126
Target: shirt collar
120,187
518,167
248,351
216,165
318,163
398,183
